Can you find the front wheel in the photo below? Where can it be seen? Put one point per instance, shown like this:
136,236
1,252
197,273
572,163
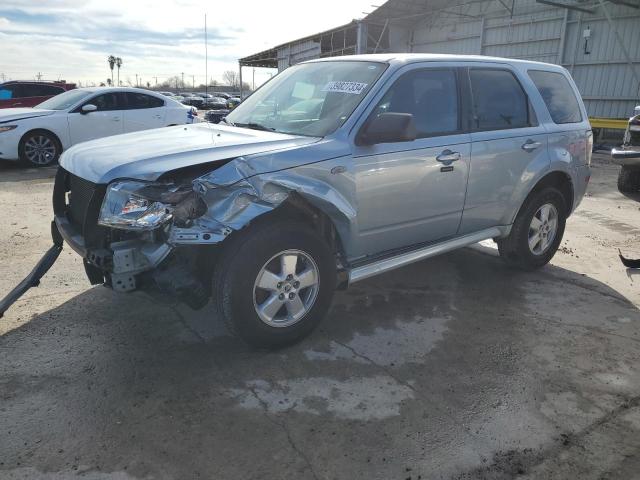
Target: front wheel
537,231
274,283
39,149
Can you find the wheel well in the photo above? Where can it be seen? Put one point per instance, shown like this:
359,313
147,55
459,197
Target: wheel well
44,130
297,208
560,181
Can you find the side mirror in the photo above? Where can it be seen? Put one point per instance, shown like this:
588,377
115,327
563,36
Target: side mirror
89,107
387,128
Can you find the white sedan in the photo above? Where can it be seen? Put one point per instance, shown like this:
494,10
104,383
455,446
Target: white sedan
37,136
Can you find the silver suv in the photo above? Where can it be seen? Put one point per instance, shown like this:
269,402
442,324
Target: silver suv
334,171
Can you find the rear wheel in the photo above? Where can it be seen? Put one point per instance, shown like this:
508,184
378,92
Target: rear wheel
537,231
39,149
629,180
274,283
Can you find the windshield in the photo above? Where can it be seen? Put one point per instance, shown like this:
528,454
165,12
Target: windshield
64,100
310,99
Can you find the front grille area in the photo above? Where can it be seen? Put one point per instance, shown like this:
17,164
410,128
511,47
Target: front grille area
79,200
80,193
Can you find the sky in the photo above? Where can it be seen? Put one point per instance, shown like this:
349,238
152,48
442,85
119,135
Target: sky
71,39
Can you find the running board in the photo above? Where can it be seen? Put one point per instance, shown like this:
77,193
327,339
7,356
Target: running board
381,266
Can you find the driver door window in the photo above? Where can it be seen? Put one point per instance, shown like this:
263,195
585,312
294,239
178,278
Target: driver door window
107,120
431,96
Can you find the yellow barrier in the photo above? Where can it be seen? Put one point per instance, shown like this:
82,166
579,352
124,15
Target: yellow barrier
613,123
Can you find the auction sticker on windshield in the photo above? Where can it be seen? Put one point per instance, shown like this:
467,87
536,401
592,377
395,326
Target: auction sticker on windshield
355,88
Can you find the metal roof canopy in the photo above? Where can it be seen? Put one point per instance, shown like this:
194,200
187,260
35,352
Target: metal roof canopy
344,37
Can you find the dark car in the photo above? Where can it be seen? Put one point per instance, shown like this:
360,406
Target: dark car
17,93
214,116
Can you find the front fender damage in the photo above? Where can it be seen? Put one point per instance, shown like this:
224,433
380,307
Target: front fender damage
235,195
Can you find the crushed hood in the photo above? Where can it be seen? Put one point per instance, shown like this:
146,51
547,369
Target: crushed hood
15,114
148,154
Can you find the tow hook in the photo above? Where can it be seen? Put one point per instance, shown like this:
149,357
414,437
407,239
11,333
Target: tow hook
41,268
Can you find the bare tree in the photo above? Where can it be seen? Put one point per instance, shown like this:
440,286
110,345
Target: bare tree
231,78
109,81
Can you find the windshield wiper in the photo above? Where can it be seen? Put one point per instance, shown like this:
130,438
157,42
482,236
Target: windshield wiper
224,119
255,126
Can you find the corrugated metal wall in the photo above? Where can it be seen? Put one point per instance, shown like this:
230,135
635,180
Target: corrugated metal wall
607,82
297,52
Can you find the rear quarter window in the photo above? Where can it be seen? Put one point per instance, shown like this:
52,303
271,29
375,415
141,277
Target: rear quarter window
558,96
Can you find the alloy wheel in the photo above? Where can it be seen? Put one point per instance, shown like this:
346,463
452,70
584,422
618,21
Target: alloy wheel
286,288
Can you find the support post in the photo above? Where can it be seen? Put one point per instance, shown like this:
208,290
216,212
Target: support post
563,36
240,74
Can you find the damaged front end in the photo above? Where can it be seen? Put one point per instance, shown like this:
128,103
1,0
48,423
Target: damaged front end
122,232
163,236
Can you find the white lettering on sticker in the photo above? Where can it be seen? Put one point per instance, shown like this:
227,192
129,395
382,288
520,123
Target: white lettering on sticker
355,88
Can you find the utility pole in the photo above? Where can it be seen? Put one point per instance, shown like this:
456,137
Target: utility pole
156,78
136,79
193,79
183,80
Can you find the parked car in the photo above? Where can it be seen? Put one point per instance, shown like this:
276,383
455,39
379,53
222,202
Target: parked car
215,103
167,94
192,99
408,156
628,156
233,102
29,94
216,116
224,95
37,136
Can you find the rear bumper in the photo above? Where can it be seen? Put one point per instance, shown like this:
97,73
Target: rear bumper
628,157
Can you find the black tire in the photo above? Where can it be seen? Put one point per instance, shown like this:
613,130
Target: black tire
51,149
236,273
515,249
629,180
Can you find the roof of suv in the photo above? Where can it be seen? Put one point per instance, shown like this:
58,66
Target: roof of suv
432,57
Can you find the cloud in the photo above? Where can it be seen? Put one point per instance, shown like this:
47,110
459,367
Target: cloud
72,38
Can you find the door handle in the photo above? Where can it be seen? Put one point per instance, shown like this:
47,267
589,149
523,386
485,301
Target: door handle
116,119
157,116
530,145
448,157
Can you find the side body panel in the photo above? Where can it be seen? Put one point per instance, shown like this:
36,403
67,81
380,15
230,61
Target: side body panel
144,118
83,127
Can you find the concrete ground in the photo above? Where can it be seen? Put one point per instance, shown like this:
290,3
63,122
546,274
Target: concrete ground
455,367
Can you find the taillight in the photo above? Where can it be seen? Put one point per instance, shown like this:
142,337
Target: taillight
589,149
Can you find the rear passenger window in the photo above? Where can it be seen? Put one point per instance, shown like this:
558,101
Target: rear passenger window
431,96
557,95
140,100
498,100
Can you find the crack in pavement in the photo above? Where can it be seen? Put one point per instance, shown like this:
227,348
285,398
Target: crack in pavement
282,425
186,325
584,327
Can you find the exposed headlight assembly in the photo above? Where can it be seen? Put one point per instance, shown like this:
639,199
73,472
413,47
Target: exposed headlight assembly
133,205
